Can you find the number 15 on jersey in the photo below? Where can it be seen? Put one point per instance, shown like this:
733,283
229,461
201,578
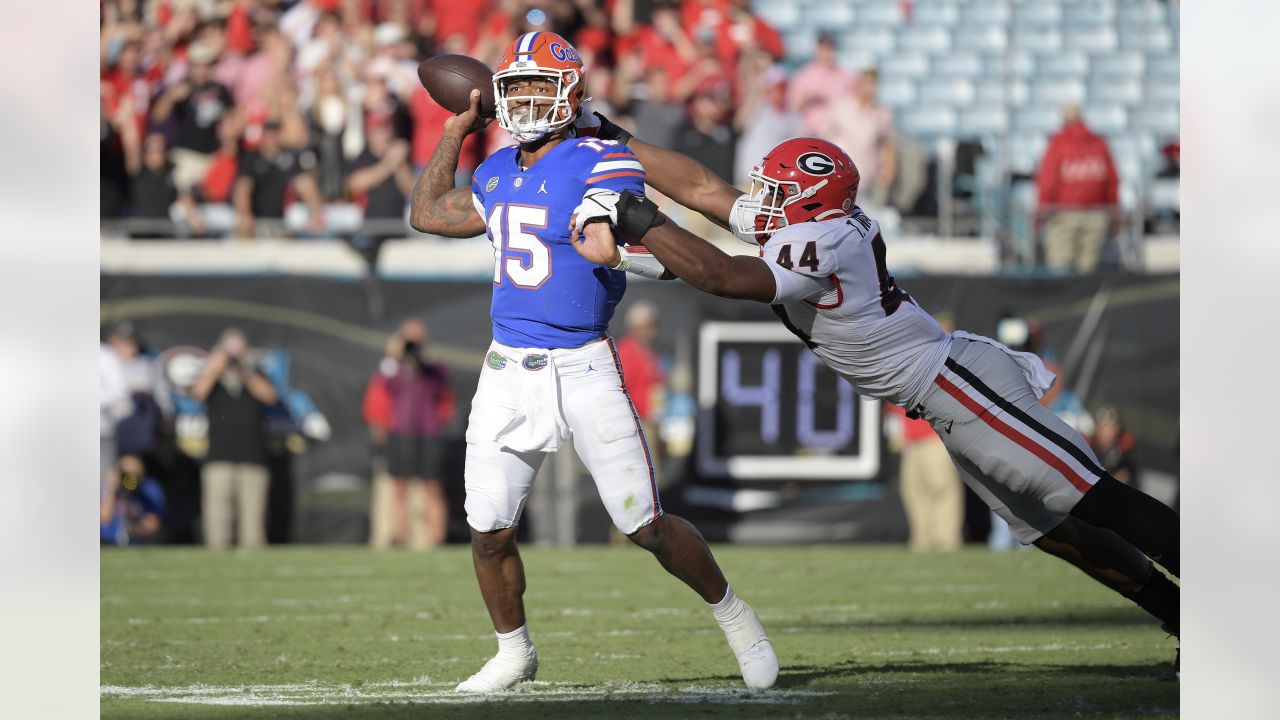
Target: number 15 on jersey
520,255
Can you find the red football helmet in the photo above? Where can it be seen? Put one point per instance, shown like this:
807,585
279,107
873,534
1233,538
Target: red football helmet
802,179
541,55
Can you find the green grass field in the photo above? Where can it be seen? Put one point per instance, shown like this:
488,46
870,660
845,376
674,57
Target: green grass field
861,632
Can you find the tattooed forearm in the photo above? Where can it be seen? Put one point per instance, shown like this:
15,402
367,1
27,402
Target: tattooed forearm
437,206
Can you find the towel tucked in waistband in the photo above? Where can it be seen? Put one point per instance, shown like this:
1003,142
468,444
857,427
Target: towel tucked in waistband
1038,376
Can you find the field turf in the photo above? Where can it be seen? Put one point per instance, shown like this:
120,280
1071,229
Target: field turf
861,632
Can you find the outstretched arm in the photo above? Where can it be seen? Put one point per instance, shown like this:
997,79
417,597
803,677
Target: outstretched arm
679,176
438,207
686,181
689,257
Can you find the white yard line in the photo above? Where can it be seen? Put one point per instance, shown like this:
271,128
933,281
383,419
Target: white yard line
424,691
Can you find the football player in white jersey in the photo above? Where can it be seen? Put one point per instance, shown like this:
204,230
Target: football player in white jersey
822,269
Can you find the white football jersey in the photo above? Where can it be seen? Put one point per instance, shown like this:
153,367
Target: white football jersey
835,294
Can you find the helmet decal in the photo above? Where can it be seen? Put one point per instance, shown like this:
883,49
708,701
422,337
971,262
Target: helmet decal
561,52
815,163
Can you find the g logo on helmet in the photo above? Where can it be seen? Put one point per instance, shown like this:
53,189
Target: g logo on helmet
816,164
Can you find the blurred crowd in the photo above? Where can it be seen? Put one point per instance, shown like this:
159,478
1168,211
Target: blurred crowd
243,108
305,118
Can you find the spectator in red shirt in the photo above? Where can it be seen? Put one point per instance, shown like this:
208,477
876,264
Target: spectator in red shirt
459,17
377,411
641,371
742,31
664,44
428,128
221,177
422,404
697,15
1078,193
127,80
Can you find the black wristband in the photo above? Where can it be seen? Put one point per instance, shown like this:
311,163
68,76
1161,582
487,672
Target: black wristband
611,131
636,215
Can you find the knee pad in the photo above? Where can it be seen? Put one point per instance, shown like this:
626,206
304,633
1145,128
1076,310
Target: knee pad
481,513
634,526
483,501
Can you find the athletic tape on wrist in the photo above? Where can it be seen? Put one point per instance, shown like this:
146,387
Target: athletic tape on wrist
639,263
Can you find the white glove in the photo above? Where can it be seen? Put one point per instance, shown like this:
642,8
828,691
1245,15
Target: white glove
597,203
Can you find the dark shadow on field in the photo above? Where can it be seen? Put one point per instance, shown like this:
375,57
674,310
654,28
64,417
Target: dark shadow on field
800,676
1077,619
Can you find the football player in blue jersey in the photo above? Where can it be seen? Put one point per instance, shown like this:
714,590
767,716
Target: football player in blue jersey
552,374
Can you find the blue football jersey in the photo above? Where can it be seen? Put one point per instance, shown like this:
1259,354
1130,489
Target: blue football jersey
544,294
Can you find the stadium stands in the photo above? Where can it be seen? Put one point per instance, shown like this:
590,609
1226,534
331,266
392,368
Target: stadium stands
975,69
992,71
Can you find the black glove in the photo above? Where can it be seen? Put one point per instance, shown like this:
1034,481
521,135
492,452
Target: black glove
610,131
636,215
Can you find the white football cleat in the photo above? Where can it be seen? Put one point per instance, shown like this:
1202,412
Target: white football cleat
756,658
759,665
502,672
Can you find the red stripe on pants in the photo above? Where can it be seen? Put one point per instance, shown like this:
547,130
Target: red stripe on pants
648,460
1004,429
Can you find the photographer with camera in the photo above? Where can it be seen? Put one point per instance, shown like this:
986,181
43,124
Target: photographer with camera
422,404
134,510
234,478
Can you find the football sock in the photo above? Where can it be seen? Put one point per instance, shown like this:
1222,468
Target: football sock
1159,596
1150,525
729,607
516,642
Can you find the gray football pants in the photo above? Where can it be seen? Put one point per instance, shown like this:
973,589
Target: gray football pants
1028,465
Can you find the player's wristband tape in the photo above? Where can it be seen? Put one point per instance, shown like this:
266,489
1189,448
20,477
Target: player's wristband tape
640,262
636,215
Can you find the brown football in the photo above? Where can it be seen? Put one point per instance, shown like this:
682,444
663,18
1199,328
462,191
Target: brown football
449,79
